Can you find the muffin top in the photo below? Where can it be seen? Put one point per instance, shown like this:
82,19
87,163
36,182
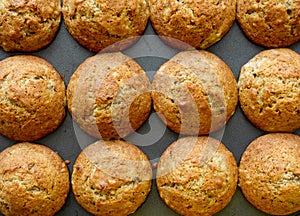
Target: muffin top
99,24
269,173
269,91
28,25
34,180
198,24
194,92
270,23
111,178
32,98
197,176
109,96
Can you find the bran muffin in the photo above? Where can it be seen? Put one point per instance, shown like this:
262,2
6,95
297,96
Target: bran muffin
109,96
111,178
28,25
34,180
270,23
269,91
198,24
269,173
98,24
197,176
195,92
32,98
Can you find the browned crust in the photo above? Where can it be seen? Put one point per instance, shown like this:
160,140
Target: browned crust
33,99
109,96
194,92
269,173
28,25
99,24
199,24
270,23
269,90
111,178
197,176
34,180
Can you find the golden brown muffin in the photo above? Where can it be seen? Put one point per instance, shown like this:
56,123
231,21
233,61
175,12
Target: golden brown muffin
32,98
270,23
28,25
269,173
269,91
111,178
34,180
195,92
109,96
199,24
197,176
99,24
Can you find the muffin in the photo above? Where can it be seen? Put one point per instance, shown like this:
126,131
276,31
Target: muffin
269,173
270,23
34,180
28,25
197,176
111,178
269,91
195,92
113,25
109,96
32,98
198,24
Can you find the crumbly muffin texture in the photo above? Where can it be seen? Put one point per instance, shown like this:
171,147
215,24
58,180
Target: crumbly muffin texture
111,178
195,92
270,23
269,173
269,91
28,25
109,96
197,176
99,24
34,180
198,24
32,98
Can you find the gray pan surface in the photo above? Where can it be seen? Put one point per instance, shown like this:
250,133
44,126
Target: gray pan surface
153,138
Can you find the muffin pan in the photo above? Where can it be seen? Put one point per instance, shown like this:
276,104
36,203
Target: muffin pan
153,137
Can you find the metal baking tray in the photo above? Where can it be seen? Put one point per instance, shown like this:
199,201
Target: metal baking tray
153,138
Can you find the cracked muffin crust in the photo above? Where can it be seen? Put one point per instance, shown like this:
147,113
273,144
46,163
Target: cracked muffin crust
198,24
109,96
111,178
197,176
28,25
34,180
269,173
270,23
194,92
99,24
32,98
269,91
